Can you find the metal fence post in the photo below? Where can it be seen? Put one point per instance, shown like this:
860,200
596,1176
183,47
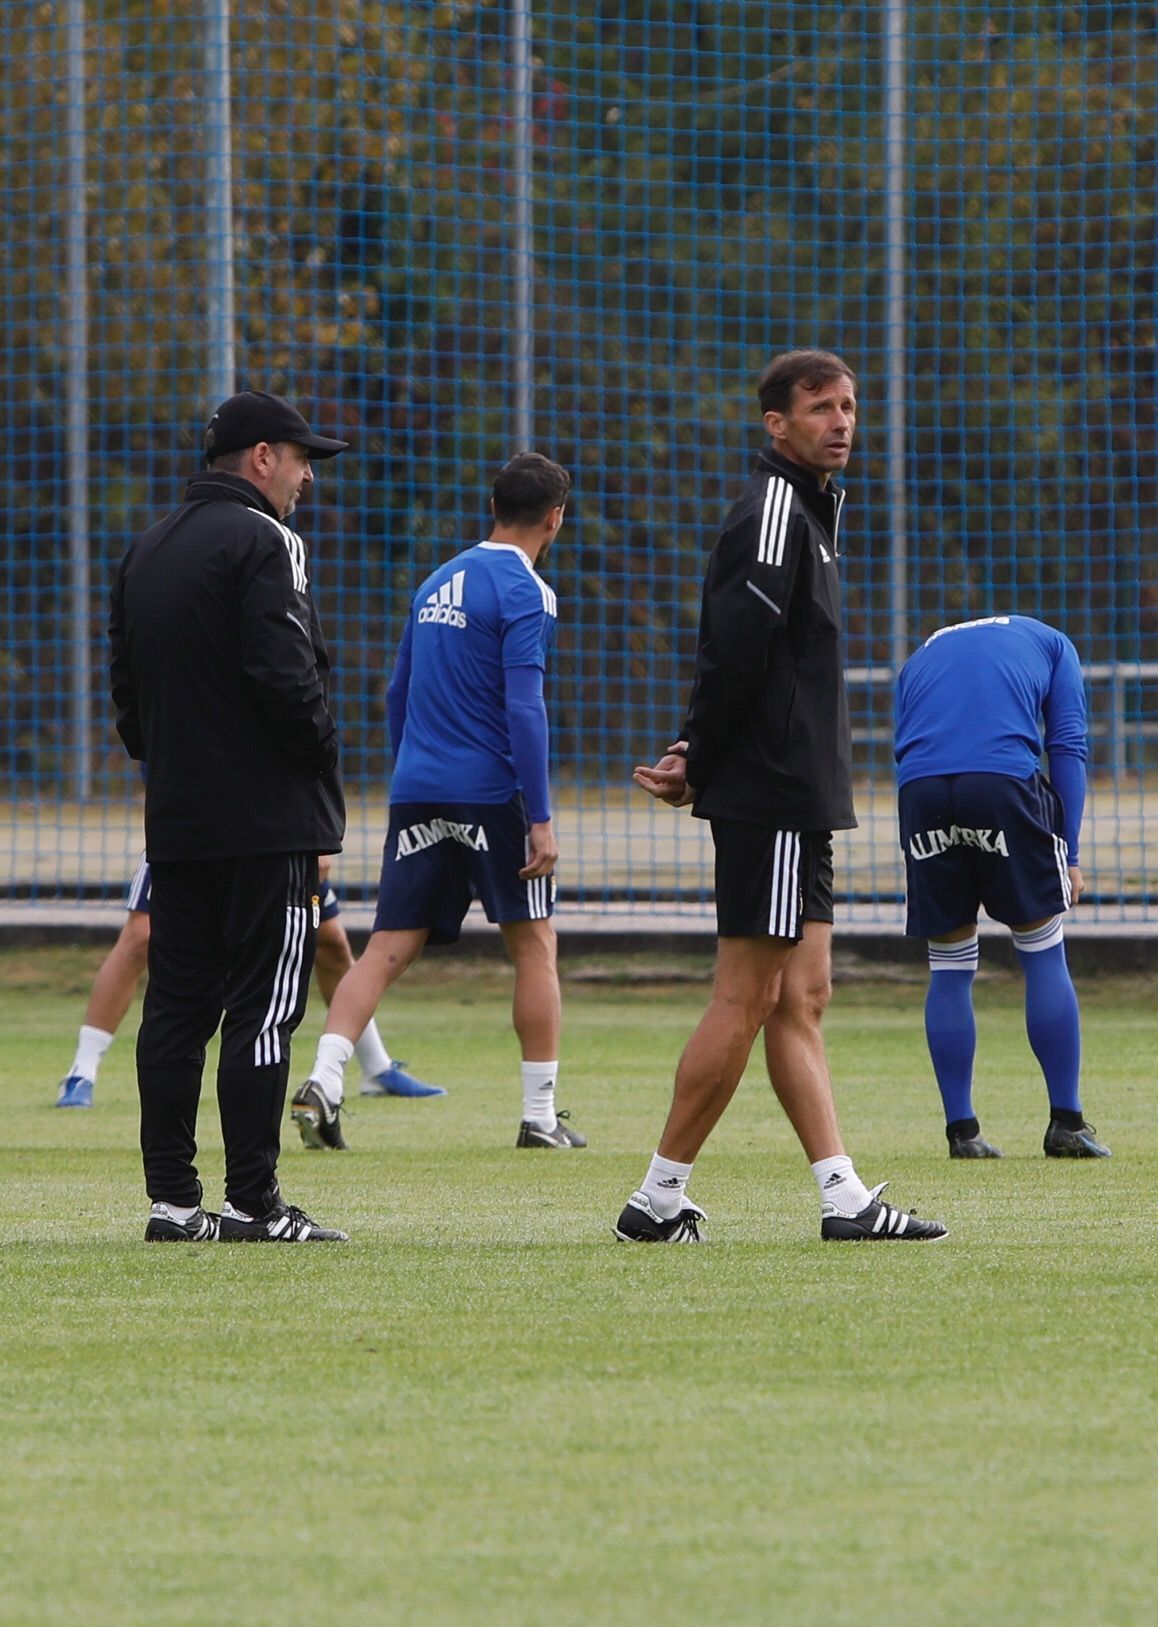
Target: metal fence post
76,411
895,346
523,294
221,372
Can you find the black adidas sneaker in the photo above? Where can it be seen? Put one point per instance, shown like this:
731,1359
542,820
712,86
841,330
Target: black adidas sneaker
877,1223
163,1227
639,1223
562,1135
281,1224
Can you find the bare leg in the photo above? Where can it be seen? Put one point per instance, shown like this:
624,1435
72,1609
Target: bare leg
794,1046
743,994
333,957
120,972
537,1010
385,958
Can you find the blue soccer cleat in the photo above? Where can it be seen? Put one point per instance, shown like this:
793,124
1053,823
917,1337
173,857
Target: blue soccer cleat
75,1091
395,1081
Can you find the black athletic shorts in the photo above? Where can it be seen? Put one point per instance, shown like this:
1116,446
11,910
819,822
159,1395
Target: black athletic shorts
769,882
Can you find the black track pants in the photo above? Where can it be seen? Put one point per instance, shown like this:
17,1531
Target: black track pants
232,939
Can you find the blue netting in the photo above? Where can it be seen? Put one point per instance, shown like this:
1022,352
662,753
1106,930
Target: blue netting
709,183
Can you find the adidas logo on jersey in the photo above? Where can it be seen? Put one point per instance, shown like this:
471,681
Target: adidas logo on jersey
444,605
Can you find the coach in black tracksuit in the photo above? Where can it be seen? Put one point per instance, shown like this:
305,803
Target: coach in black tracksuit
766,758
219,673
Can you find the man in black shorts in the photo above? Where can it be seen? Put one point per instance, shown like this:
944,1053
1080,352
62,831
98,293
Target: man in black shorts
766,757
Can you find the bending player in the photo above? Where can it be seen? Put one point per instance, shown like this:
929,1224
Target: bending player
980,825
126,962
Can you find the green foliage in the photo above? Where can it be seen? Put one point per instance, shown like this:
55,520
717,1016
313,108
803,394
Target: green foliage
709,185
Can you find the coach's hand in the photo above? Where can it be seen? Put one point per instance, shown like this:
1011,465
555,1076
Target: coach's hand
543,854
668,780
1077,884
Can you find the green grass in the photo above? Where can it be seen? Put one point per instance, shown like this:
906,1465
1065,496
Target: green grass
482,1410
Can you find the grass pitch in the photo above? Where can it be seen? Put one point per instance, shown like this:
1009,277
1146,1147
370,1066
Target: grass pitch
483,1410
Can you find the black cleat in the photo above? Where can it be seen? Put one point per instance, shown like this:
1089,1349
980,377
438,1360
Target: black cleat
201,1227
1061,1142
878,1223
973,1147
281,1224
320,1123
639,1223
562,1135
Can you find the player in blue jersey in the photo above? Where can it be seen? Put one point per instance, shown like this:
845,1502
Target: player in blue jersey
125,964
470,809
981,825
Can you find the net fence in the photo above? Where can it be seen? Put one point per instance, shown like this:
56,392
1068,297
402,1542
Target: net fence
447,230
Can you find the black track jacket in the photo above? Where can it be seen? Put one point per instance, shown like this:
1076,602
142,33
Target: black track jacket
219,673
767,726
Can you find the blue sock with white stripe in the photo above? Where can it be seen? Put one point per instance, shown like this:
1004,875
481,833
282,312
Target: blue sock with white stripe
1052,1017
950,1028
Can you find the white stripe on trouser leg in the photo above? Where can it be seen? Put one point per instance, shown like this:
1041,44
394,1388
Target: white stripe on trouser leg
285,986
287,976
293,982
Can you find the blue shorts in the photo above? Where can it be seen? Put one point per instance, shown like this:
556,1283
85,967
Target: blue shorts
973,839
141,890
440,855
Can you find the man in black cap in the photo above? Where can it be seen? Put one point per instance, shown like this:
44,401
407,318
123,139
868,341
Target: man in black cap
219,673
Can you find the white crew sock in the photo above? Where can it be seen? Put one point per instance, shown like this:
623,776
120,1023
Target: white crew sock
539,1094
174,1211
373,1057
334,1051
664,1186
840,1184
91,1045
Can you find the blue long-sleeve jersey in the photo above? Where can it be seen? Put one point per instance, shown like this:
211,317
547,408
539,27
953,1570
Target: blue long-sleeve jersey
467,717
974,697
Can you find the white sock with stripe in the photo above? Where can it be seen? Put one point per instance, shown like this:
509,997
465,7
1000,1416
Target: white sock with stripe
664,1186
334,1051
539,1094
840,1185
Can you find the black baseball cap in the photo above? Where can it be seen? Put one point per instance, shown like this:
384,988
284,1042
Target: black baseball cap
255,415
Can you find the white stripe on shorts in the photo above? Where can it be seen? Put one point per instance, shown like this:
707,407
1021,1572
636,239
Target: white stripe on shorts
539,898
141,887
784,902
1062,856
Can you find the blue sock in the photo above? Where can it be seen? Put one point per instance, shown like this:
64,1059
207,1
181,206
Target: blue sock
1053,1023
952,1036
